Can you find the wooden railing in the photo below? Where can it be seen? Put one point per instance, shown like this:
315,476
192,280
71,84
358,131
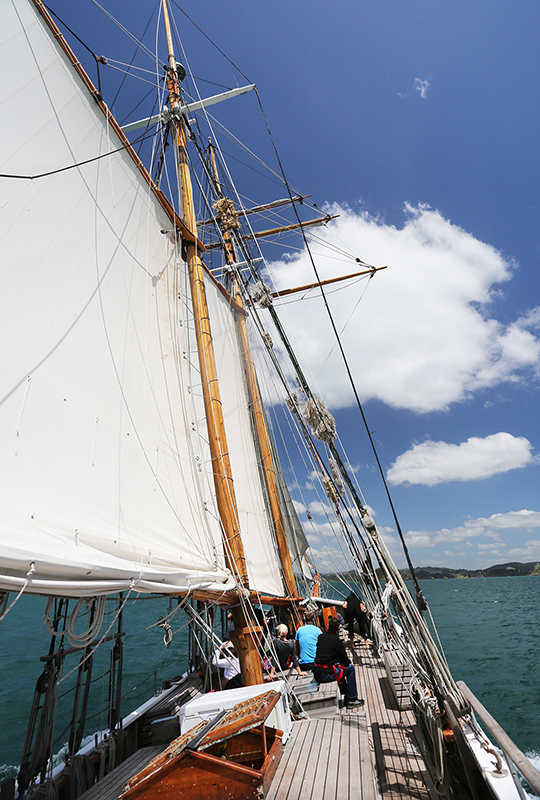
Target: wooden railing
531,775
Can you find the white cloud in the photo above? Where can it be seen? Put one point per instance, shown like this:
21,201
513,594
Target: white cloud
418,539
316,508
422,337
531,551
421,86
430,463
485,527
300,508
521,520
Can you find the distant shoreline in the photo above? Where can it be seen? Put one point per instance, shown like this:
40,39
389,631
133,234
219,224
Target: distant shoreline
511,569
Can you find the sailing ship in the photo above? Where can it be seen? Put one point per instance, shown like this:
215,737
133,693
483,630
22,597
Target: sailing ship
143,362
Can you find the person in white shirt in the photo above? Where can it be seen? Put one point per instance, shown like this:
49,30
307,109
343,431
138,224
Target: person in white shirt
226,658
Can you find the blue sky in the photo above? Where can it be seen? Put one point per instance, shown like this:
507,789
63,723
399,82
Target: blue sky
417,122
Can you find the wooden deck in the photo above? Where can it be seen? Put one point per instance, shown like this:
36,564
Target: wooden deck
335,753
354,754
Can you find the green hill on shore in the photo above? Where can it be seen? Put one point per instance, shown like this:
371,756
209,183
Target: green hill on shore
511,569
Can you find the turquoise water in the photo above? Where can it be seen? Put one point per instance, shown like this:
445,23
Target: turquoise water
490,632
24,639
489,628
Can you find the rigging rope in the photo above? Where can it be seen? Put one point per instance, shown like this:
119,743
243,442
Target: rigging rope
78,164
419,596
27,581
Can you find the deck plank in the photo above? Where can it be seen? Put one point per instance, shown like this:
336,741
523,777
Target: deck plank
303,760
289,764
334,758
404,772
111,785
317,755
355,784
342,787
329,762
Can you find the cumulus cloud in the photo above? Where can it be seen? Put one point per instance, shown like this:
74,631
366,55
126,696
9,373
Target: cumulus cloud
530,552
491,528
430,463
422,337
421,86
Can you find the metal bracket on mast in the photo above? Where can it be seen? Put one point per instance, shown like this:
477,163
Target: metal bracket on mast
238,265
186,110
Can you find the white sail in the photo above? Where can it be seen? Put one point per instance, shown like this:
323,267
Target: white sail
257,538
101,485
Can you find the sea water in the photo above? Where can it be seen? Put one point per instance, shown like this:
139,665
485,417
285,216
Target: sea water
490,632
147,662
488,627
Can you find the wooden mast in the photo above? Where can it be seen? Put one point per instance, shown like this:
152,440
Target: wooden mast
250,662
267,462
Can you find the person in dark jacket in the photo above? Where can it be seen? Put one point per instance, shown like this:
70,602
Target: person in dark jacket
355,611
332,663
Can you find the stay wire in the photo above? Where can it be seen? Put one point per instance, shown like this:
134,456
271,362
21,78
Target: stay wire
225,56
138,43
418,591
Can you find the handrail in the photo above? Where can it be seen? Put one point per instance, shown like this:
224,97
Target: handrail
531,775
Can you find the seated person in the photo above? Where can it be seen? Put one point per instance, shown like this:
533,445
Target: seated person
285,650
227,659
307,636
332,663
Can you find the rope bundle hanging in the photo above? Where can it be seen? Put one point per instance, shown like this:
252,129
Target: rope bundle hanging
330,489
261,294
81,776
228,216
319,419
167,631
292,402
336,475
267,339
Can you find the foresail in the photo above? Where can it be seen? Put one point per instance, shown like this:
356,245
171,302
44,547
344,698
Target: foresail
257,538
102,484
296,537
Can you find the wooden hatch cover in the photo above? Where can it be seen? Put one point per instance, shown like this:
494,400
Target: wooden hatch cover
233,756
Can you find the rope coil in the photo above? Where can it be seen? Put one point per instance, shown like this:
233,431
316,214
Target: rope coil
168,634
78,639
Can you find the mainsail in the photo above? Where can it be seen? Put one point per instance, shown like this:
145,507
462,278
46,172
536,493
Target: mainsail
258,546
104,476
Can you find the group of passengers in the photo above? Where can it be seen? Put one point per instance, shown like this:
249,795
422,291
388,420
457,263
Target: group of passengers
313,650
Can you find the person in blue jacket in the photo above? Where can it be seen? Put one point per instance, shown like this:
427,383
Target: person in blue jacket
307,636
